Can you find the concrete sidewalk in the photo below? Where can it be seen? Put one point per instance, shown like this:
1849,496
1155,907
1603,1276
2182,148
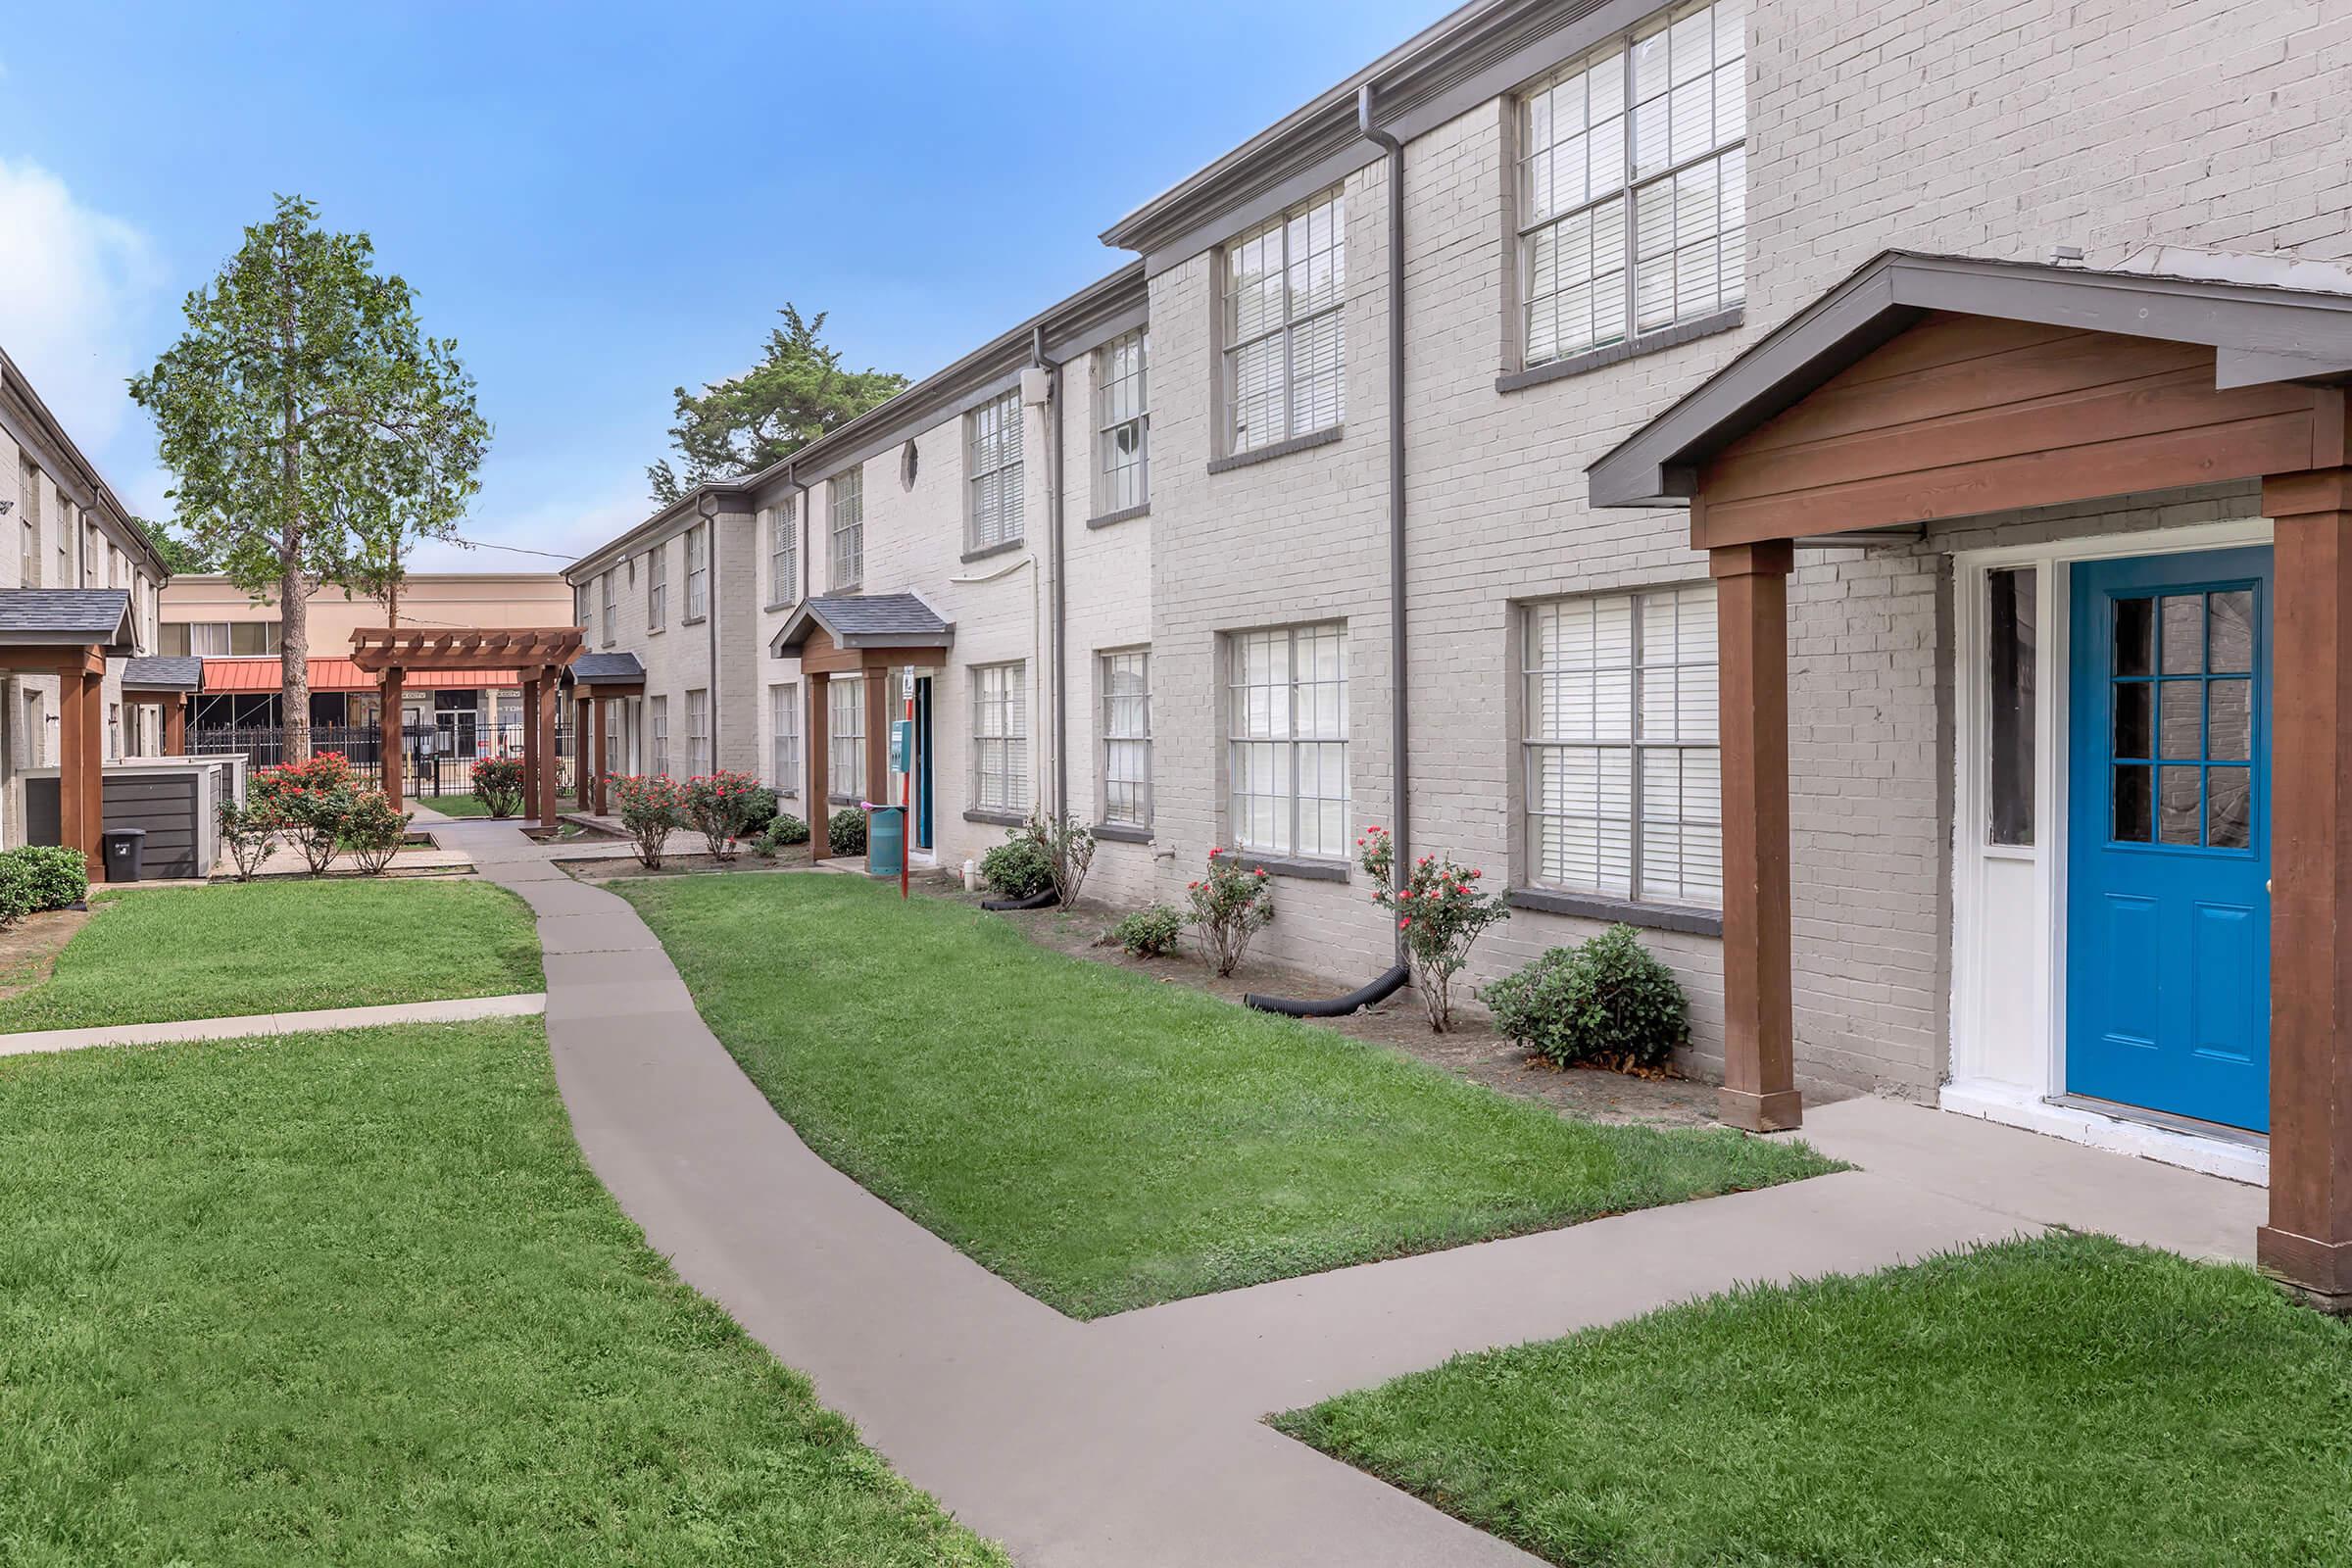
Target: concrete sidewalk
523,1004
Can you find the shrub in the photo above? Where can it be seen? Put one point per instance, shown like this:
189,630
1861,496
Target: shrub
1019,867
1439,911
498,785
649,805
16,892
1607,1002
372,831
310,801
716,806
785,829
1070,846
54,876
250,832
759,810
1230,905
1151,933
845,832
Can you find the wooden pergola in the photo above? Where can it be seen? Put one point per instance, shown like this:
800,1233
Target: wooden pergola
541,654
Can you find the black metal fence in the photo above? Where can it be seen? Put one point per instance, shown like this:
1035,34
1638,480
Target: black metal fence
436,758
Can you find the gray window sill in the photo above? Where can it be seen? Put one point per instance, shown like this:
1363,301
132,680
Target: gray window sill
841,800
1298,870
847,588
986,551
1666,337
1122,833
1625,911
1279,448
779,605
692,620
656,632
1123,515
999,818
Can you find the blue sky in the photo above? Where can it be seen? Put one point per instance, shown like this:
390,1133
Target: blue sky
600,202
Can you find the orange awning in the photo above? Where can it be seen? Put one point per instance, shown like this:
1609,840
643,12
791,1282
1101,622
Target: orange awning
259,676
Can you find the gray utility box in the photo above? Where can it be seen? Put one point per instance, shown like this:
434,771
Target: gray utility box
169,800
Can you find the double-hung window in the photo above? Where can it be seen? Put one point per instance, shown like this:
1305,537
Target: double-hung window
1123,423
1127,738
698,571
1284,341
783,554
849,530
845,738
784,738
999,738
1287,752
993,472
1624,795
657,590
1632,183
610,622
697,733
658,721
28,508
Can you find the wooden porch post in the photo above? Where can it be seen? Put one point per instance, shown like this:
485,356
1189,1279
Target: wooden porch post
71,831
877,734
530,741
392,737
548,702
175,725
596,710
2308,1242
93,768
820,707
1759,1072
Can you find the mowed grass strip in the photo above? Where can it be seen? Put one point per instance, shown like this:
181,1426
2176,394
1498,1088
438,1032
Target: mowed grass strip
2066,1402
470,806
233,949
356,1298
1105,1141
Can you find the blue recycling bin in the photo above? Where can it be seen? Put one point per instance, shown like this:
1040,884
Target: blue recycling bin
885,840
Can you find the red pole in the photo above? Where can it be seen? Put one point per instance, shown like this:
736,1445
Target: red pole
906,793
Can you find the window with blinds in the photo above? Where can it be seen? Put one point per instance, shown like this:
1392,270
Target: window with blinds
1287,747
1632,183
1127,738
999,738
845,738
784,738
656,713
1122,422
848,530
993,472
657,590
783,554
698,571
698,734
1285,338
609,619
1622,790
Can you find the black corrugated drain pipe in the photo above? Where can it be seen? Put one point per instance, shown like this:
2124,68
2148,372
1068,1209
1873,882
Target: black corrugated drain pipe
1386,985
1035,900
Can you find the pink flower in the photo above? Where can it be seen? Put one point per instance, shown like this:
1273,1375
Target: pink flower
1404,923
1262,871
1475,875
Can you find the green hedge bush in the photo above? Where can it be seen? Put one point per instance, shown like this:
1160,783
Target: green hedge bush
845,832
1151,933
39,877
1020,867
1607,1002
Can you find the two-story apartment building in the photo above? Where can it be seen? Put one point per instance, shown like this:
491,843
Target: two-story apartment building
1932,747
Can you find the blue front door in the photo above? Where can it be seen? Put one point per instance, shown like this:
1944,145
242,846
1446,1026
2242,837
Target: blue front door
2168,934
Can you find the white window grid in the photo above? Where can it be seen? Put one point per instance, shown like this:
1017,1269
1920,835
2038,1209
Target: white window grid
611,619
1632,183
1286,746
698,571
784,554
784,738
656,589
999,738
845,738
1624,795
697,733
658,722
848,530
1285,337
994,471
1127,737
1123,422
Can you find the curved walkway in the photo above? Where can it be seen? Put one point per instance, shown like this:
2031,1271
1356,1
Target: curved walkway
1136,1439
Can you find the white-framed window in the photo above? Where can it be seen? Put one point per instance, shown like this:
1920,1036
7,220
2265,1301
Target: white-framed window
1286,748
28,506
608,619
784,738
999,738
90,552
993,472
1123,423
784,553
114,732
656,589
657,715
1632,183
845,738
848,530
221,639
698,571
697,733
1624,787
1285,338
1127,737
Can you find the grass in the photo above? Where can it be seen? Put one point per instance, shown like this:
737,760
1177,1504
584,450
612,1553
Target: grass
2064,1400
1108,1141
470,806
357,1298
282,945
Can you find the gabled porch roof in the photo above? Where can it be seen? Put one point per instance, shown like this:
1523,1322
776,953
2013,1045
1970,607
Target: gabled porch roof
864,620
68,617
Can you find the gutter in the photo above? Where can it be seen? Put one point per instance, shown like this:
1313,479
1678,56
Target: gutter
1057,598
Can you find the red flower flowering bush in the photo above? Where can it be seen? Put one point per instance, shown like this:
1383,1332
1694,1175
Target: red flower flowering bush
1230,905
649,805
718,806
310,801
1441,911
498,785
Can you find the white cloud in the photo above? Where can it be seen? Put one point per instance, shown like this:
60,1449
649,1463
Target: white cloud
79,290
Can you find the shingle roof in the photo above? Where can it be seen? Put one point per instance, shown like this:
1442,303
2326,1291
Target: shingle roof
608,667
65,616
164,675
866,620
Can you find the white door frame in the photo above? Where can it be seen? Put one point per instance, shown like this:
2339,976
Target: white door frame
1975,1085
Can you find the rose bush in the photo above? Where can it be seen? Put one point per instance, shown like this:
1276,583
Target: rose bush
1230,905
1439,911
498,785
719,806
649,805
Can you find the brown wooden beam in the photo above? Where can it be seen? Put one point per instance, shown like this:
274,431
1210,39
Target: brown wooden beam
175,725
1759,1069
877,735
393,735
2308,1241
599,708
71,831
548,762
530,741
48,657
819,698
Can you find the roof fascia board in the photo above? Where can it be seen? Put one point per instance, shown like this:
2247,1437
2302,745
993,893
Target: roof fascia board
1272,202
883,440
2233,316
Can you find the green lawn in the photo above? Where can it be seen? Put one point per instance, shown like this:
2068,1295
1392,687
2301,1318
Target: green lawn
282,945
357,1298
2062,1402
1105,1141
469,806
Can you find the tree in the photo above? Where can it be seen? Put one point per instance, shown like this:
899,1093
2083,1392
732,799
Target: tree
182,557
796,393
311,425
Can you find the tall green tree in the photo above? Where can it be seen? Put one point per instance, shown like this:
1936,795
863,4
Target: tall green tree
796,393
313,428
180,554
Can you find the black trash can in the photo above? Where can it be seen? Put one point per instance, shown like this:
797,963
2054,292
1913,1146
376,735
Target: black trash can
126,853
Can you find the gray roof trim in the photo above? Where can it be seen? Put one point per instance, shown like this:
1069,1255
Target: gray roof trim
68,617
864,620
2304,333
679,516
90,491
163,673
